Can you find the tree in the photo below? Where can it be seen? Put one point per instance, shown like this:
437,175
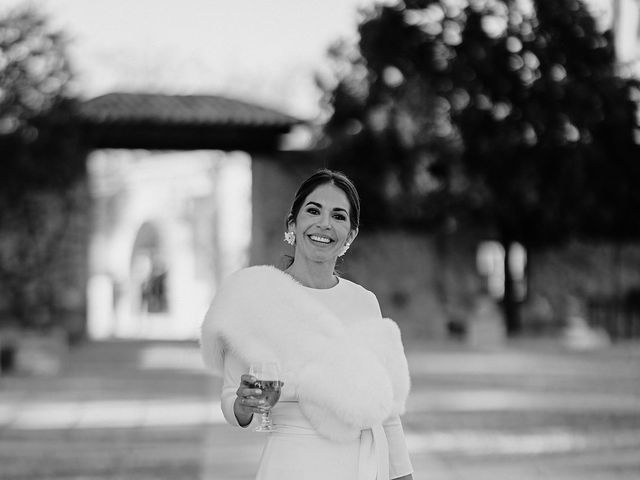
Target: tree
42,162
502,113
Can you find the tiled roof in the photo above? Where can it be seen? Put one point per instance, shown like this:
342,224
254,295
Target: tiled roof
183,110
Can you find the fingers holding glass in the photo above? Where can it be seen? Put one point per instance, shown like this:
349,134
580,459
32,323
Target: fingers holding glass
250,396
267,380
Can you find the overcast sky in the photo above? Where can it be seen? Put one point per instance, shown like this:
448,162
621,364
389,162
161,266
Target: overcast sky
263,50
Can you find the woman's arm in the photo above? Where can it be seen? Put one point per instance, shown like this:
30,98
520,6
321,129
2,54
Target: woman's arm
242,416
237,398
399,462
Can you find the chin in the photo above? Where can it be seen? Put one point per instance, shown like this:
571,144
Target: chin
323,258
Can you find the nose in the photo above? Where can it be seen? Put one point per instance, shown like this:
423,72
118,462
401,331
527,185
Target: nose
324,220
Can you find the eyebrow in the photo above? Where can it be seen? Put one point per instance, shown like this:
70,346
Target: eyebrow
320,206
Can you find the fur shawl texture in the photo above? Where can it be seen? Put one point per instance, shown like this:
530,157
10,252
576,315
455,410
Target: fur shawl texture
347,377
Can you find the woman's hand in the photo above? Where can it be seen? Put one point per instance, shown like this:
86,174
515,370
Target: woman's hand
248,400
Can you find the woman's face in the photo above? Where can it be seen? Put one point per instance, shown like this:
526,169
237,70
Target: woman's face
322,226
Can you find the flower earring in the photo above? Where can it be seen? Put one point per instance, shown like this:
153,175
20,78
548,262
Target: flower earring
344,249
290,238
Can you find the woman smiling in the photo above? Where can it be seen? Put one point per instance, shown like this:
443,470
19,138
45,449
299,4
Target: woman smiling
344,372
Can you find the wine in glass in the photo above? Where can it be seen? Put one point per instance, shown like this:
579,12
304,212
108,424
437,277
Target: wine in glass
267,376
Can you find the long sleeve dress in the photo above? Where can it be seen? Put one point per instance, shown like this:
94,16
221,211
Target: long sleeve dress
296,450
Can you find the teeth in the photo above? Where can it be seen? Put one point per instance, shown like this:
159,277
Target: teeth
319,239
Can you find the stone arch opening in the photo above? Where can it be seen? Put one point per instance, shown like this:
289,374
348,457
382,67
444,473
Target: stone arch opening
170,181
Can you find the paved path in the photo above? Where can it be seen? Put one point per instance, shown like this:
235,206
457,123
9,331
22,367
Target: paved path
148,410
535,411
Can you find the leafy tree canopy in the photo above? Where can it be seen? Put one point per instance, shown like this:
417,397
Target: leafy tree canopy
41,163
38,141
500,112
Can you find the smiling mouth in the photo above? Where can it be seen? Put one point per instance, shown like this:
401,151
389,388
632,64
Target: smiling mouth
319,239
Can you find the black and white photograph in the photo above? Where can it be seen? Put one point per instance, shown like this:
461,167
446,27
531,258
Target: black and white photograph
320,240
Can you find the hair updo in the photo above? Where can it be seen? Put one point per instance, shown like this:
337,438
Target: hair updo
323,177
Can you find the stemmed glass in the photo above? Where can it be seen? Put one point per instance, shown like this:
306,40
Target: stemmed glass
267,376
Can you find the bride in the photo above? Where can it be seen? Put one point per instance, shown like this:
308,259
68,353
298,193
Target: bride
343,366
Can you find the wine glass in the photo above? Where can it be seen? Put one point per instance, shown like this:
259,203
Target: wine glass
267,376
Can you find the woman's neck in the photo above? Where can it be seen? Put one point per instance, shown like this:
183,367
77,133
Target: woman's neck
314,275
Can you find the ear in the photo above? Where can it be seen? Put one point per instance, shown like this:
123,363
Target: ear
352,236
291,224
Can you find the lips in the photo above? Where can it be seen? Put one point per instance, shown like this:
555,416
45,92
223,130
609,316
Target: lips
321,239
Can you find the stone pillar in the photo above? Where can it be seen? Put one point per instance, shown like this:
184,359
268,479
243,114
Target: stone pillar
275,179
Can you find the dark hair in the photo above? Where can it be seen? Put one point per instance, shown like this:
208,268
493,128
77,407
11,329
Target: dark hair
322,177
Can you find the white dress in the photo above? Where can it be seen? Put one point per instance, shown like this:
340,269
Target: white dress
296,451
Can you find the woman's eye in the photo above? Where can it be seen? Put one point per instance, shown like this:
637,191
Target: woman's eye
339,217
313,211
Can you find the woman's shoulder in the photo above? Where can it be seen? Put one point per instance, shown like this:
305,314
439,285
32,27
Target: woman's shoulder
355,290
255,282
353,286
257,271
255,274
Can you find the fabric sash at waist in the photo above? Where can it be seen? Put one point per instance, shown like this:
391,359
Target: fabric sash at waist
373,458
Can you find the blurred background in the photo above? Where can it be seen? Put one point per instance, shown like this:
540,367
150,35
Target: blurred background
152,148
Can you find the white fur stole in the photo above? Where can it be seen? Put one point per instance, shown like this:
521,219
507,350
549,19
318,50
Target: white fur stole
347,378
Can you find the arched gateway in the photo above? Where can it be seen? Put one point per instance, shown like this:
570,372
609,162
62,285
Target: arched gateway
171,180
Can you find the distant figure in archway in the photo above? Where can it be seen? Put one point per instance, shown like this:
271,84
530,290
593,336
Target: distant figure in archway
154,290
